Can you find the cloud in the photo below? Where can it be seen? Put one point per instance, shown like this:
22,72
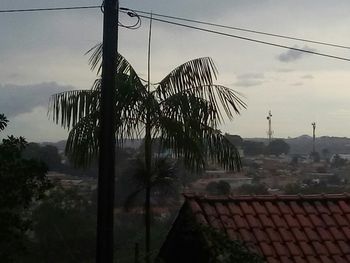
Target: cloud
250,79
16,99
297,84
251,76
284,70
307,76
34,125
293,55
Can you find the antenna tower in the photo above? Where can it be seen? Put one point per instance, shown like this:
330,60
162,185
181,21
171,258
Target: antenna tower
313,136
270,131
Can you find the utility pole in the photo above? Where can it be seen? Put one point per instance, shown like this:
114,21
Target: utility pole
107,123
313,136
269,132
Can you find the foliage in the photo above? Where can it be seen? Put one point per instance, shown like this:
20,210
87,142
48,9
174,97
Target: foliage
219,188
314,189
3,122
22,182
64,228
183,111
325,153
337,161
129,230
251,148
224,250
234,139
47,154
277,147
315,156
250,189
164,183
295,160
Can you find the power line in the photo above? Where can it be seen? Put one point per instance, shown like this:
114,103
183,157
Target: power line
127,11
241,29
181,19
49,9
247,39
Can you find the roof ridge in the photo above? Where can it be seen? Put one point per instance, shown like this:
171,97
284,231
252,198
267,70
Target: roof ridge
282,197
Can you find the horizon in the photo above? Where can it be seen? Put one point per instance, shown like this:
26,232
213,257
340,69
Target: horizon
298,88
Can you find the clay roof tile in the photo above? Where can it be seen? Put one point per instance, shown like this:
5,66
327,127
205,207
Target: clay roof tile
272,208
345,207
332,248
334,207
290,229
259,209
311,234
341,220
337,233
247,208
267,249
297,209
344,246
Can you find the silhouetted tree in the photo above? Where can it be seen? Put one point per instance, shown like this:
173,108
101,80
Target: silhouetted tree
251,148
131,184
277,147
3,122
183,111
64,227
338,161
218,188
234,139
47,154
295,160
325,153
315,156
22,182
250,189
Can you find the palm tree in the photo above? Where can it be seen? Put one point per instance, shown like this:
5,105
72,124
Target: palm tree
3,122
182,111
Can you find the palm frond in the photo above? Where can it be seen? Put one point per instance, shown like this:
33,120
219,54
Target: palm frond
3,122
122,66
95,58
82,143
67,108
214,98
197,143
220,150
182,141
163,171
188,108
194,73
130,199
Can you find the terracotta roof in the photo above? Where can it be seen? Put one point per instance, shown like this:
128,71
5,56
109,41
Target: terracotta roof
285,228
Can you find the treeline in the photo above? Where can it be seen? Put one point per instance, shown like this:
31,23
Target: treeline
50,156
253,148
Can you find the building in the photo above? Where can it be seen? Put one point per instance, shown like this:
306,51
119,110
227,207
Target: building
285,228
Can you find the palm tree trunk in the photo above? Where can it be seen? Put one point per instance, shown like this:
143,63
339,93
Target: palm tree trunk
148,158
148,224
148,154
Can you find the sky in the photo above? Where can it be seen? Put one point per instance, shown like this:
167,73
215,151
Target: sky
44,53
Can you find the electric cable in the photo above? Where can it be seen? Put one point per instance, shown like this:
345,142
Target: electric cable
49,9
133,13
247,39
241,29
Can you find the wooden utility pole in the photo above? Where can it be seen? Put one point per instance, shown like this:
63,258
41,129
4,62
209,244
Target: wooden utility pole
107,123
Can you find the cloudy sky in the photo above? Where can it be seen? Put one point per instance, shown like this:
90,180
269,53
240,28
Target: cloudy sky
43,53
